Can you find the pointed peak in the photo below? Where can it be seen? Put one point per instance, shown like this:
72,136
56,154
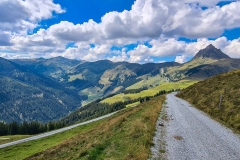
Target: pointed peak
210,52
210,46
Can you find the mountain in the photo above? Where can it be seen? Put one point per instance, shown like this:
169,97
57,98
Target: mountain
210,52
26,95
206,96
93,79
101,78
206,63
52,67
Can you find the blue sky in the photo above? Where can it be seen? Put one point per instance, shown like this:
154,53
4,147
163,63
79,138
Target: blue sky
138,31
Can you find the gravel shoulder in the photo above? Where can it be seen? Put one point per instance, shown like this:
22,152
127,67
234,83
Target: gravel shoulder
47,134
191,134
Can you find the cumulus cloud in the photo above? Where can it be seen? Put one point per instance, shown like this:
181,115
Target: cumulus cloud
151,18
19,17
172,47
12,11
5,39
207,3
181,59
158,22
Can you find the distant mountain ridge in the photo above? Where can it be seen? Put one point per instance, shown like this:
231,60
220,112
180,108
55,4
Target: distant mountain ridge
210,52
52,67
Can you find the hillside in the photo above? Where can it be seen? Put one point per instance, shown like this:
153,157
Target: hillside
26,95
126,135
206,94
217,67
94,79
101,78
150,92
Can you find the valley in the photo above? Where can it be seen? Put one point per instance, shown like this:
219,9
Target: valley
76,92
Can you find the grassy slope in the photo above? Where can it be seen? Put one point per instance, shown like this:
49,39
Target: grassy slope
178,72
205,95
127,135
149,80
190,64
149,92
7,139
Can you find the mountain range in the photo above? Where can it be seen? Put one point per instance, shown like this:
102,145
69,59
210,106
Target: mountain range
48,89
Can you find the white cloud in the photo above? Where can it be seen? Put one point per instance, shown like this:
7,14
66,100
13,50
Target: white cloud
119,58
171,47
18,17
150,18
181,59
5,38
158,22
207,3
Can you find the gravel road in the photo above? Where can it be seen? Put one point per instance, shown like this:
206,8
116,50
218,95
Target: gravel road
191,134
54,132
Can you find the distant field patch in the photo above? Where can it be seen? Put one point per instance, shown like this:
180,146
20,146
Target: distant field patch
74,77
150,92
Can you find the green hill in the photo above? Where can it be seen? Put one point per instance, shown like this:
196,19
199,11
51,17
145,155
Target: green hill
205,95
101,78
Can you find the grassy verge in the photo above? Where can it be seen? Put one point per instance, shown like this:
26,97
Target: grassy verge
149,92
126,135
7,139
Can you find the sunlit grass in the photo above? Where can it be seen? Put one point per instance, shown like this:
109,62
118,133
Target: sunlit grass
6,139
149,92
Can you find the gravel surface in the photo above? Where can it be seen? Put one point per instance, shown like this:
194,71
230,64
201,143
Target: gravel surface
191,134
158,149
54,132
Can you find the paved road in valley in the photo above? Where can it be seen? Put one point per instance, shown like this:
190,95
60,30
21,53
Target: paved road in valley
53,132
191,134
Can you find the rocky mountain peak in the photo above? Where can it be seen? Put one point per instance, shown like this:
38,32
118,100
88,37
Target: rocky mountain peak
210,52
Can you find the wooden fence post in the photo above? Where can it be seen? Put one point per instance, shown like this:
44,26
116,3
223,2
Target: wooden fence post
220,101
